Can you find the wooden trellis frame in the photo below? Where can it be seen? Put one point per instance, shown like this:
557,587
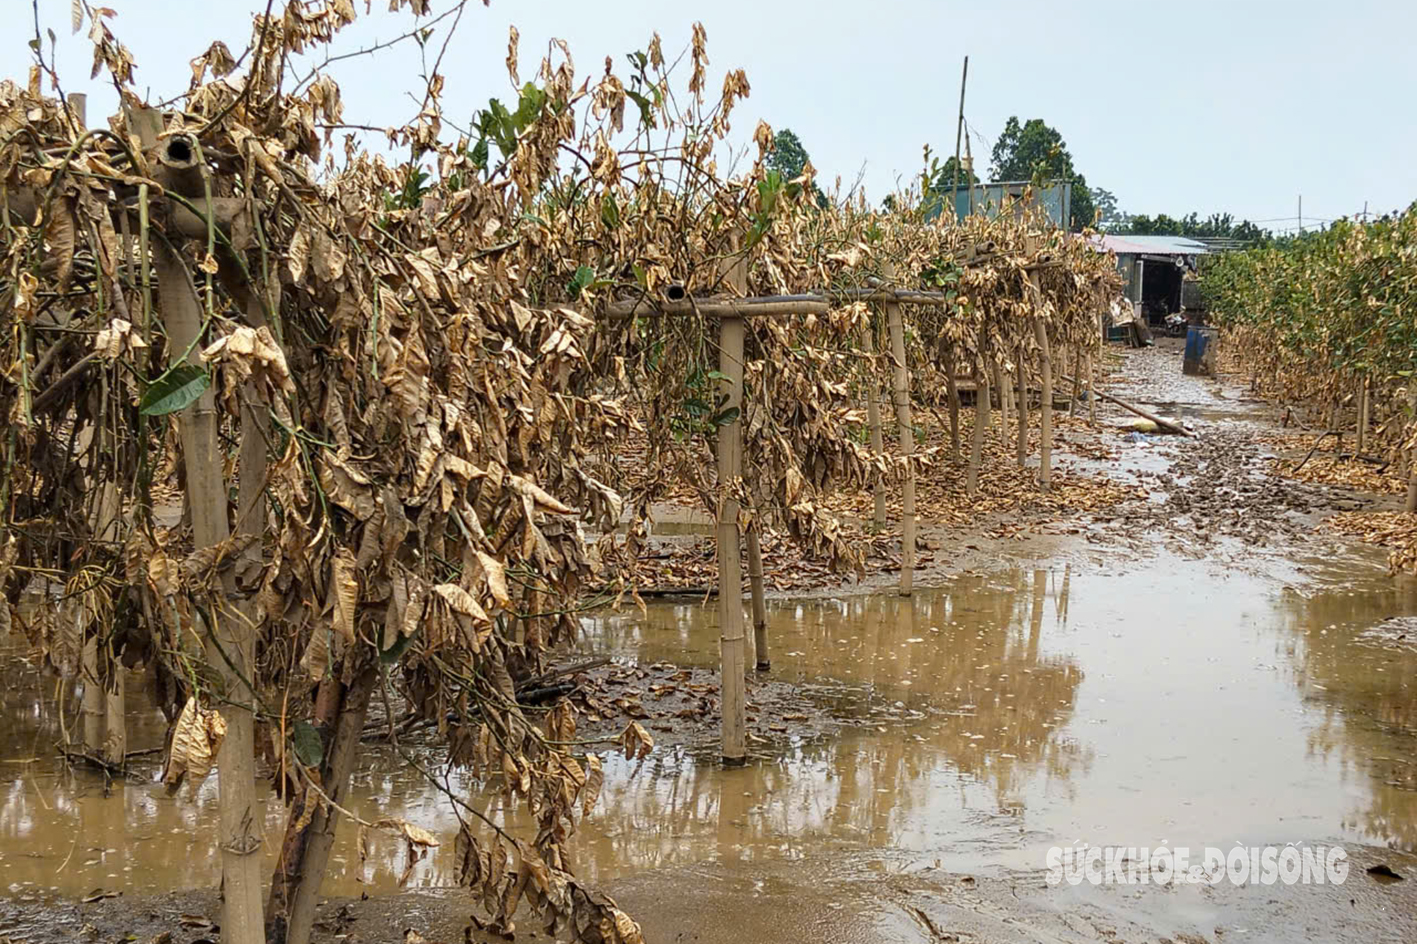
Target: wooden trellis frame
732,311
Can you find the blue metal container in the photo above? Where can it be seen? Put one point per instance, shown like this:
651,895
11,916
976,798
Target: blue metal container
1200,351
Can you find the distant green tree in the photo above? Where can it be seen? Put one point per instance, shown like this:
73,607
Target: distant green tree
945,178
1110,216
1035,152
789,158
1222,225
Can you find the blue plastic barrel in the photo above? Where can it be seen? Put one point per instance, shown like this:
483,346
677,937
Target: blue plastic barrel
1199,343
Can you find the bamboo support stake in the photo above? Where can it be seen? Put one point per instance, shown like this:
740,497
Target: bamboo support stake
1411,505
952,387
1091,392
1022,383
907,447
93,698
730,565
1077,382
229,636
1045,369
981,430
1005,402
115,738
762,658
873,420
1364,405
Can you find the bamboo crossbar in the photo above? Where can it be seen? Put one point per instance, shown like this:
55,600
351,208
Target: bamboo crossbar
815,303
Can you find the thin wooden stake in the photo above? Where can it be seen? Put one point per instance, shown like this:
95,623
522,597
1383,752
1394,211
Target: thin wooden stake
907,447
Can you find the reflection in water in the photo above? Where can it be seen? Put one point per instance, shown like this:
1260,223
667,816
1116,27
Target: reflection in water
1044,706
1361,679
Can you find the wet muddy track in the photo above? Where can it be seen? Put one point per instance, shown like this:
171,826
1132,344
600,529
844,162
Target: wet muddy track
1197,667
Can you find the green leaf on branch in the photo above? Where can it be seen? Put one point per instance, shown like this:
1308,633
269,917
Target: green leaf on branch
174,391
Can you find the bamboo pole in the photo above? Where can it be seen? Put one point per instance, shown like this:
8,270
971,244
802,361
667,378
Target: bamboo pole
981,430
1364,405
1162,423
1411,505
1022,383
93,698
952,387
730,566
228,636
907,446
1005,402
873,420
812,303
1045,369
1091,392
115,739
1077,382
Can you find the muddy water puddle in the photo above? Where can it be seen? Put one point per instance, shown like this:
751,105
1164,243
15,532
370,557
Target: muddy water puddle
1161,700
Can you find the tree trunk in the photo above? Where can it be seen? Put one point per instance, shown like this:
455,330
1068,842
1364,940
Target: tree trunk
981,430
229,641
873,419
305,851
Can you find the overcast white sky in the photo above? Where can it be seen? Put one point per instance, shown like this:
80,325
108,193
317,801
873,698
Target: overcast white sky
1208,105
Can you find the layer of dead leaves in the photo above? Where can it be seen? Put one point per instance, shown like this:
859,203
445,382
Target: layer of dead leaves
1396,531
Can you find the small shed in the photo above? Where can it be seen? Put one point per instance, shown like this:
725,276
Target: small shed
1154,269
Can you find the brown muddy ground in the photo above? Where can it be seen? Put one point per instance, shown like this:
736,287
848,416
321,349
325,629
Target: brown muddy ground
1198,666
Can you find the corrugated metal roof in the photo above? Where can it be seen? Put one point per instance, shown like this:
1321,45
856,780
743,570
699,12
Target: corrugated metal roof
1157,245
